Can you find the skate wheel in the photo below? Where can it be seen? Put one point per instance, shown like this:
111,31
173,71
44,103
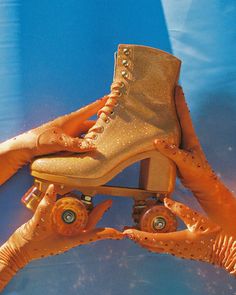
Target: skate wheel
158,219
69,216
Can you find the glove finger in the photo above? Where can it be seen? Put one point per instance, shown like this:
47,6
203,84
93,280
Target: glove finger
68,122
181,158
160,242
76,145
82,128
189,137
183,244
192,219
87,237
97,213
45,206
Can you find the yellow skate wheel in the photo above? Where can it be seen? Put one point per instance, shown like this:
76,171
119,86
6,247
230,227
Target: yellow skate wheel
69,216
158,219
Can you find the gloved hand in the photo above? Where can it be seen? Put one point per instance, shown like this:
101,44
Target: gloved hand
211,239
202,240
37,238
196,173
57,135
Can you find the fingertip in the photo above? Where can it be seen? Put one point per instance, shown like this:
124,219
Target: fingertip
104,206
97,213
108,203
104,98
50,188
168,202
50,194
101,101
86,144
165,146
159,141
83,145
129,233
159,144
164,142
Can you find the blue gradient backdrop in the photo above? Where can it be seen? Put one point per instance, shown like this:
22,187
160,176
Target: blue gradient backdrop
56,56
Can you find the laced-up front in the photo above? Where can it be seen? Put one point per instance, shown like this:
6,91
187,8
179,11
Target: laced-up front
107,112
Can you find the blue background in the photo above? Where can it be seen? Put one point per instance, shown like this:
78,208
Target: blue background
56,56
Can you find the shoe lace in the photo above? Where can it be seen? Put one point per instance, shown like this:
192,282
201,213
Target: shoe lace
106,112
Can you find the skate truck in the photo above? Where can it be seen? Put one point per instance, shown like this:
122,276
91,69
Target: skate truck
139,109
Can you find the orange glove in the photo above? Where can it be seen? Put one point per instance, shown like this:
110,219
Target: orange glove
196,173
210,239
37,238
57,135
202,240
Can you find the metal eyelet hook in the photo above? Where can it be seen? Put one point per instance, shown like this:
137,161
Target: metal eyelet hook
126,51
118,93
112,114
124,74
125,63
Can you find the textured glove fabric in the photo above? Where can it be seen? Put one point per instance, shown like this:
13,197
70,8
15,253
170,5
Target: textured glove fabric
202,240
37,238
57,135
213,238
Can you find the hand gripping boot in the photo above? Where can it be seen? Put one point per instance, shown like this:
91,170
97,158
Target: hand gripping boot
139,109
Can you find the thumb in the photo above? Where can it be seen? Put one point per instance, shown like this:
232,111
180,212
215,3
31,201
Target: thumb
94,235
171,151
97,213
46,204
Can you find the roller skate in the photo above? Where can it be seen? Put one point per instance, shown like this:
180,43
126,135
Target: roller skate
139,109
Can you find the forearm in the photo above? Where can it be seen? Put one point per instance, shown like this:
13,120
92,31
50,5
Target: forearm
215,198
16,152
11,261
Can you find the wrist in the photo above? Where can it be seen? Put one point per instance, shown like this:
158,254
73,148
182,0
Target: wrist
25,142
12,259
224,253
16,152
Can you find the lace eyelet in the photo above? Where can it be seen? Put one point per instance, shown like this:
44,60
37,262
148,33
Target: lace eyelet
107,121
101,129
125,63
124,74
122,84
112,114
119,93
95,136
126,51
116,104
